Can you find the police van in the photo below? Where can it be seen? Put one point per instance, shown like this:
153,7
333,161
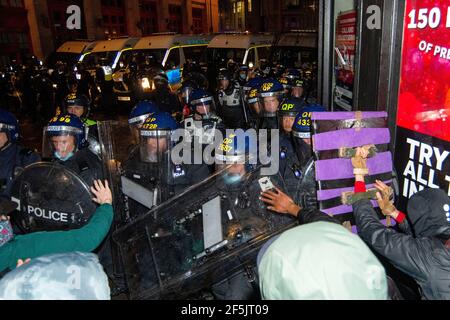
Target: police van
169,50
241,48
106,54
296,48
70,52
248,49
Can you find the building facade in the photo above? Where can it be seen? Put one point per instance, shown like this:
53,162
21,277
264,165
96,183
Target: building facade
15,38
105,19
268,16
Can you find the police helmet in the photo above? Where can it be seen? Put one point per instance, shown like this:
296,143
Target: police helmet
293,74
297,83
65,125
286,82
186,89
303,123
157,123
224,74
141,112
200,97
76,99
271,88
9,125
290,108
252,83
236,148
253,95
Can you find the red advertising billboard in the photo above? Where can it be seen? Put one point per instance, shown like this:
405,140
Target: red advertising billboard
422,154
424,104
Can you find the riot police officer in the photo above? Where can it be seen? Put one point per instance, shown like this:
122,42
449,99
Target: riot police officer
167,101
203,109
184,93
270,95
79,105
65,143
12,155
230,101
251,90
306,190
242,74
290,169
155,170
138,115
242,180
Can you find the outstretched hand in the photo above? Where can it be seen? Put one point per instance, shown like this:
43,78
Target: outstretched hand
21,262
101,192
280,202
384,199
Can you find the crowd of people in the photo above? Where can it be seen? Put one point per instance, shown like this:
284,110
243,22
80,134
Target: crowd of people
320,259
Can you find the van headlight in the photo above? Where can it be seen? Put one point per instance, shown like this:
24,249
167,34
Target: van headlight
145,83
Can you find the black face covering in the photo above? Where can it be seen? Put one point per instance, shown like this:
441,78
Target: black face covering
303,150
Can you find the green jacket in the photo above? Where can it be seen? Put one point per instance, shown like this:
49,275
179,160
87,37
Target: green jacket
85,239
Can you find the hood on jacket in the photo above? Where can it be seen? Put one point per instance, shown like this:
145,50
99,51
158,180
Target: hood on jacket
429,213
321,261
71,276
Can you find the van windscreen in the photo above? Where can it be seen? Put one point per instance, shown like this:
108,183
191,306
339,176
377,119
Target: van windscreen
100,59
224,55
154,55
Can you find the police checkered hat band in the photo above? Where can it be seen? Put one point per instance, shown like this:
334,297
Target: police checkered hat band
202,100
7,126
140,119
155,133
270,94
252,100
64,129
231,158
302,135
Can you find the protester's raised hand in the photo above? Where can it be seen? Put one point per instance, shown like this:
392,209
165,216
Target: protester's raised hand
20,262
101,192
384,199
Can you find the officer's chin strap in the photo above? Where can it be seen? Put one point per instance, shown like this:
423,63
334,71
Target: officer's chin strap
6,146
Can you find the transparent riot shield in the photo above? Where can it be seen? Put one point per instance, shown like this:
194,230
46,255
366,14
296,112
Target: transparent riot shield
50,197
117,145
199,238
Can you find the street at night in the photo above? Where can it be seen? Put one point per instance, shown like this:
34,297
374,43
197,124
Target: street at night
225,150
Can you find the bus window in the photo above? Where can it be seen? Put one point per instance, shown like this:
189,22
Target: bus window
173,61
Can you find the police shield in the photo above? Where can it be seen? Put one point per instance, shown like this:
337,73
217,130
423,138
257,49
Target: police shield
199,238
117,146
50,197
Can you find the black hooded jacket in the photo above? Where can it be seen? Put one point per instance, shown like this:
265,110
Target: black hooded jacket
420,250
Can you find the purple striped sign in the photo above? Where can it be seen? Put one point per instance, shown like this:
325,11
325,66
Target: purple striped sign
336,169
334,193
350,138
346,115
